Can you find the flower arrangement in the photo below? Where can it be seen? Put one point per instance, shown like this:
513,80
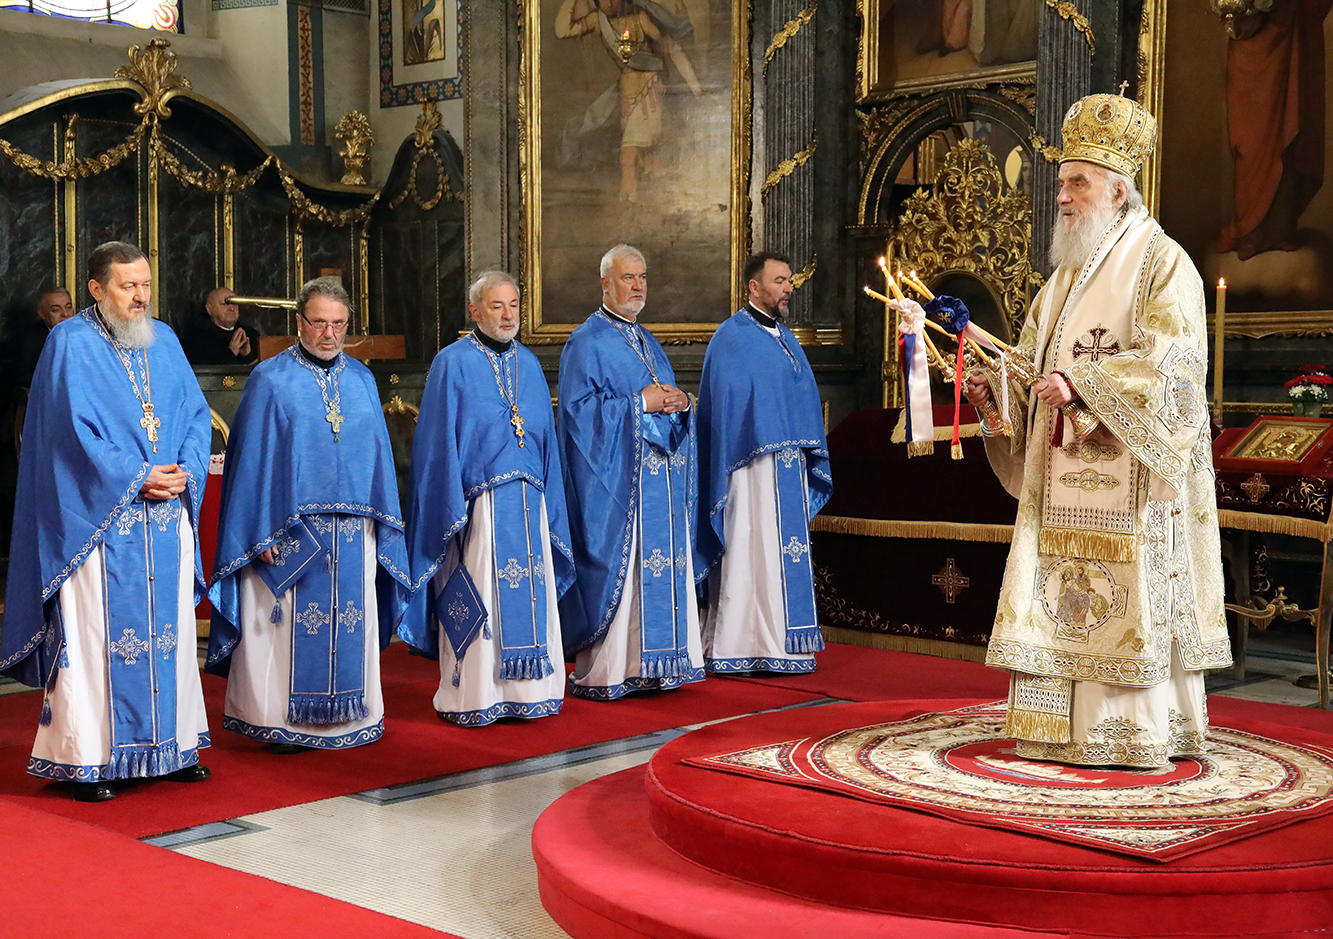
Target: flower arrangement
1310,384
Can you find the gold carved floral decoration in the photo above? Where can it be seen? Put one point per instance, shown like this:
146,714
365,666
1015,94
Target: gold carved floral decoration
428,122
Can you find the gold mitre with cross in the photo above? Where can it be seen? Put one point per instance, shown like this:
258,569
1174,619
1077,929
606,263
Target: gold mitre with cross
1111,131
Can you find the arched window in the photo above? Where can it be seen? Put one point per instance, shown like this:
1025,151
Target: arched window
146,14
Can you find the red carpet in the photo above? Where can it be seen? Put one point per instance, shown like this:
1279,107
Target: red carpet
840,855
960,765
68,879
249,778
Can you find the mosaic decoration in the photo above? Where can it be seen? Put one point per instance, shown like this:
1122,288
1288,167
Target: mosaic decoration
959,764
164,15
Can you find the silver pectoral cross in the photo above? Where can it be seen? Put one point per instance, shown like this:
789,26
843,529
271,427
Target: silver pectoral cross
150,423
334,417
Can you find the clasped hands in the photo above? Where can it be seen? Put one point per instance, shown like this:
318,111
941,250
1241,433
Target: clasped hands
668,399
164,482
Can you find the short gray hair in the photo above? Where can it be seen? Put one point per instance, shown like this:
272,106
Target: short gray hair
615,254
331,287
1132,196
108,253
489,280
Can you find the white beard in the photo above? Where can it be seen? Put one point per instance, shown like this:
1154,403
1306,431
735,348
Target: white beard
1072,244
133,333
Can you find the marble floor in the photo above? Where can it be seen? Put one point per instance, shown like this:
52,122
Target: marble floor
471,871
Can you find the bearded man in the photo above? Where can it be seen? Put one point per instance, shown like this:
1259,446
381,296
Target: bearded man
487,536
1111,606
104,569
311,569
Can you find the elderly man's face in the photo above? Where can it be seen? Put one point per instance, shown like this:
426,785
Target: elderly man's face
625,289
221,310
56,307
323,326
771,290
1084,191
125,295
497,314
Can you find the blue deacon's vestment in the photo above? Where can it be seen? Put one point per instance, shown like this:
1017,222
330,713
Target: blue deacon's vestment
300,639
630,483
99,608
487,536
764,473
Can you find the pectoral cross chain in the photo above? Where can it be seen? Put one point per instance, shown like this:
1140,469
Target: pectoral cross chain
334,417
150,423
518,424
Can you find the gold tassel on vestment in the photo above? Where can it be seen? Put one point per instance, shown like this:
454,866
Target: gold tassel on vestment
1037,726
956,451
1083,543
921,448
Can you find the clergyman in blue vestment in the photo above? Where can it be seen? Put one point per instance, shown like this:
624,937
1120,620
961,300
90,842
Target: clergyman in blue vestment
627,449
104,568
311,570
764,473
487,536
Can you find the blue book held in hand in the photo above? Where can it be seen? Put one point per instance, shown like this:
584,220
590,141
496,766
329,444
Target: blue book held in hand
293,553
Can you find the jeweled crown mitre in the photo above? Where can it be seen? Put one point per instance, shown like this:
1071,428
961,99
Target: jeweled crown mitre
1111,131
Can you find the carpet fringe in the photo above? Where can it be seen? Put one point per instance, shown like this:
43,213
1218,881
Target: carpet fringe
892,528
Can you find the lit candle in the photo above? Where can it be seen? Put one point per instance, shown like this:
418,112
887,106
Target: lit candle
888,279
1219,342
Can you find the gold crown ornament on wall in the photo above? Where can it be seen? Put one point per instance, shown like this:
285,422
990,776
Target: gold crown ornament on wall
1111,131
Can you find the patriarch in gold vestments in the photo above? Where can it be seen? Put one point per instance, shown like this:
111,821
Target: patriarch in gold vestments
1111,607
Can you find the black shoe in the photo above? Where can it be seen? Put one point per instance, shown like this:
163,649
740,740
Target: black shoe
287,748
196,773
91,792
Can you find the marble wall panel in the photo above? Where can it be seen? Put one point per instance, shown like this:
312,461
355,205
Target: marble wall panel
110,203
189,242
28,249
263,256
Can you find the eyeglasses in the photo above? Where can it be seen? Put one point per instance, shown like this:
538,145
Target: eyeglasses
321,326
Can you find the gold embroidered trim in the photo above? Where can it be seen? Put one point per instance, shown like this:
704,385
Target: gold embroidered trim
921,447
788,31
1092,545
956,451
1037,726
890,528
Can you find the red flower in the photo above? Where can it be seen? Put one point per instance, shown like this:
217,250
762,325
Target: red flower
1312,368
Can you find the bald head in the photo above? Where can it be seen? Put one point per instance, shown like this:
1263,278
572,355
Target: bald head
220,310
56,306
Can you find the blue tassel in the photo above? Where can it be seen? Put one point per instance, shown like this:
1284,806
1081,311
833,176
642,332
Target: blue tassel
455,674
804,641
328,563
45,720
486,628
276,616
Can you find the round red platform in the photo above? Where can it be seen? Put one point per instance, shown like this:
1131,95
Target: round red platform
610,859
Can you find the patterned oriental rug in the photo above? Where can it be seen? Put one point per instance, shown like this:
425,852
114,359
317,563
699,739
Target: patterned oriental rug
959,765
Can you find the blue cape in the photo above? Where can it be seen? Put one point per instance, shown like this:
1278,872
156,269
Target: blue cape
601,423
465,445
84,458
757,395
282,463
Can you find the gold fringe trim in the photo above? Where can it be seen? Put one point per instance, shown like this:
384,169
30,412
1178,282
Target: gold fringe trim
921,448
889,528
1093,545
939,648
1264,523
956,450
1037,726
899,434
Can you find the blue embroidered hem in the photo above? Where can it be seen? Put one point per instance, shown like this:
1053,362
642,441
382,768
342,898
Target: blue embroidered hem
635,683
760,664
315,741
145,762
504,709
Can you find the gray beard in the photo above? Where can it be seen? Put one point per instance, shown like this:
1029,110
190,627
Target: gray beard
132,334
1072,246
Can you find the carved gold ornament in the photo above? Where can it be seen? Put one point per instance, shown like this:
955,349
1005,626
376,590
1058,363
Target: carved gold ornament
1070,12
153,70
970,224
793,26
800,277
353,129
305,208
789,166
428,122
